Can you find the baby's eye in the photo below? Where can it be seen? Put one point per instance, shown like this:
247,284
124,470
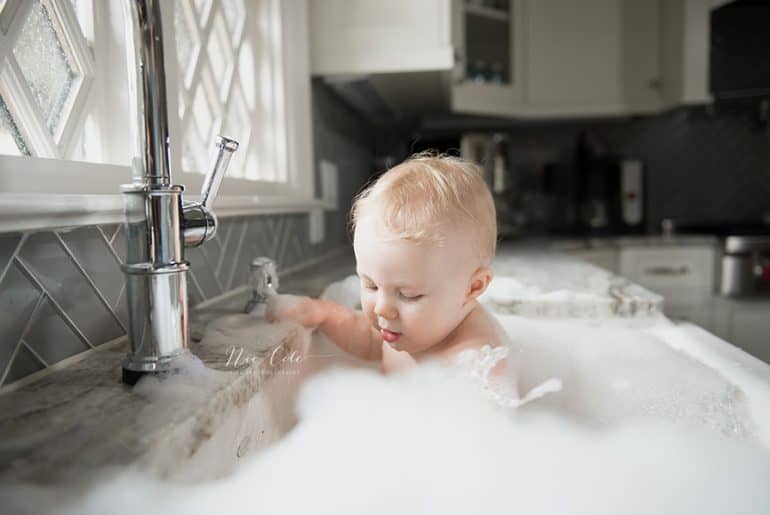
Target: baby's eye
411,298
370,287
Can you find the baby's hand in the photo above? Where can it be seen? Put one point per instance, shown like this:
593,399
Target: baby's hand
303,310
394,360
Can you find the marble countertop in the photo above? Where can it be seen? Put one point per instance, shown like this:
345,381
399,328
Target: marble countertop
81,417
677,240
533,282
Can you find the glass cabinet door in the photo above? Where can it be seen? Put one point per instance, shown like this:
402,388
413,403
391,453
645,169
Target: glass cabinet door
487,75
487,42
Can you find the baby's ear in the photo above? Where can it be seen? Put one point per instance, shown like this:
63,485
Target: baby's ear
479,282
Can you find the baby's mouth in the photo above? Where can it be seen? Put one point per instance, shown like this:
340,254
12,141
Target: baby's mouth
389,336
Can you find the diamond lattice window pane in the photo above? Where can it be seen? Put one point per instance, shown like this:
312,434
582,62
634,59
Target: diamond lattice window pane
251,171
237,120
193,153
220,55
247,73
11,141
237,126
202,113
44,65
181,101
186,40
202,7
235,15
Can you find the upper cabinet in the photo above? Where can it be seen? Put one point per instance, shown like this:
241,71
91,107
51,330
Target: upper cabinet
351,37
522,58
591,57
684,40
488,77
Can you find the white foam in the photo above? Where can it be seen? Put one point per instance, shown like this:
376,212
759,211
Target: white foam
616,373
423,443
346,292
191,380
637,428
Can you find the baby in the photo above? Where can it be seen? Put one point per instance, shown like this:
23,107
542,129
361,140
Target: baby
424,236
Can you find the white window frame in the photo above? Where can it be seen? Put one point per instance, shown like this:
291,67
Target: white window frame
26,114
39,192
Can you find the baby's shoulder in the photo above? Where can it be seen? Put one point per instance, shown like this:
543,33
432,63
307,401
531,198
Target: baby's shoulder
477,330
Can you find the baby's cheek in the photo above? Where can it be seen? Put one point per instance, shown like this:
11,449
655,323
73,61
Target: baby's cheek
367,307
434,322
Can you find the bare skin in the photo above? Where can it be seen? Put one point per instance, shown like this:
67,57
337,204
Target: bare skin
418,301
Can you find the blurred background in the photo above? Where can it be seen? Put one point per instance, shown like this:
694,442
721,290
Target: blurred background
590,118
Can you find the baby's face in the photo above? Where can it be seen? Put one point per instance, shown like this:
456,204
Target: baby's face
415,294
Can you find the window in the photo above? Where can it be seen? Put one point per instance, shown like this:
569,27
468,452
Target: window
63,96
45,76
229,70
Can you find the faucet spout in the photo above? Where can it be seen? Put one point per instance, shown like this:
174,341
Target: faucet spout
147,92
158,225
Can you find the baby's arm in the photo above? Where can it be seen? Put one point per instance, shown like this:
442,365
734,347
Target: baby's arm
348,329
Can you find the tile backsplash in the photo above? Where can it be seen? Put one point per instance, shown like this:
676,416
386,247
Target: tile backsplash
700,165
62,291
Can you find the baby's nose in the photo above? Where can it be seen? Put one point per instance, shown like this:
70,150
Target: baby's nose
385,309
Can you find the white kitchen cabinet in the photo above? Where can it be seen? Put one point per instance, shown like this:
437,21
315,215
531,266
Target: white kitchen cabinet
352,37
595,57
683,274
684,45
520,58
489,76
591,57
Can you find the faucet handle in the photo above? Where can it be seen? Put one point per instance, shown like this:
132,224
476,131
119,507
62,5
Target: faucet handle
199,223
225,148
263,281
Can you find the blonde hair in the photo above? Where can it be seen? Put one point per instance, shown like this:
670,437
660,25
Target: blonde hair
423,196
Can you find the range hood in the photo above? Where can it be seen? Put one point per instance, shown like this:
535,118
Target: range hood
393,97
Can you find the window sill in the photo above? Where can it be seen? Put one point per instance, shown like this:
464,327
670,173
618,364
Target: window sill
29,212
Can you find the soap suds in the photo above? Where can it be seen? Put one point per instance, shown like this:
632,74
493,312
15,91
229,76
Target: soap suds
421,442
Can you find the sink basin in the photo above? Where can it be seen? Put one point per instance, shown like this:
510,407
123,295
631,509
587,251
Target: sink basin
676,374
263,426
262,369
238,424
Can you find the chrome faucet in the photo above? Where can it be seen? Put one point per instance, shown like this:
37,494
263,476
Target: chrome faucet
263,282
158,223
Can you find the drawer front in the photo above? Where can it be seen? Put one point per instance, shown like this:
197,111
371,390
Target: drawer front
675,273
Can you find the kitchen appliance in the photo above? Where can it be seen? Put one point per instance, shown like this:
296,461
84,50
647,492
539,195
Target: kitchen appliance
745,267
610,192
492,152
739,56
598,197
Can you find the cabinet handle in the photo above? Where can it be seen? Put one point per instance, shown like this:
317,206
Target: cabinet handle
458,57
667,270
